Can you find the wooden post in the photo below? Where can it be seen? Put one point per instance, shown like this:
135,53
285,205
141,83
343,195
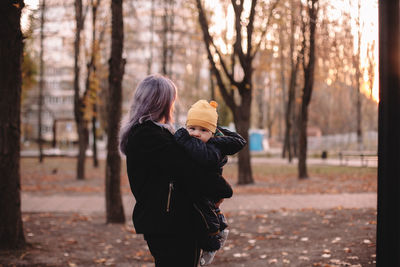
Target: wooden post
388,230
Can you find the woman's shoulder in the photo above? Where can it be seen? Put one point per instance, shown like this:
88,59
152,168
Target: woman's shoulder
145,127
150,131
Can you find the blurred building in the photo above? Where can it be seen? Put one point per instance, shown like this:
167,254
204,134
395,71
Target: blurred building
147,41
58,94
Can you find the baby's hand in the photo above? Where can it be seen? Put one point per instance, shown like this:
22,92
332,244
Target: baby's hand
218,132
219,202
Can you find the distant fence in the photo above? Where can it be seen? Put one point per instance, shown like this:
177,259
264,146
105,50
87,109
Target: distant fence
340,142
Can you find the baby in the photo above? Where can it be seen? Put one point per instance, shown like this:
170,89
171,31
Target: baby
209,145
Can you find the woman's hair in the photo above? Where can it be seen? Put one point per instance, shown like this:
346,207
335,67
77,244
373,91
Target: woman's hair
152,100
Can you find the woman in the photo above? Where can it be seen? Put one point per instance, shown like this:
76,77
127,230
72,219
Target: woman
163,180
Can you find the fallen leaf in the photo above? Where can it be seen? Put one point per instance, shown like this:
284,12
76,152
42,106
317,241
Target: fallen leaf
272,261
304,258
102,260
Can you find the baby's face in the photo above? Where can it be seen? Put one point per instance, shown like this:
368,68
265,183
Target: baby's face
199,132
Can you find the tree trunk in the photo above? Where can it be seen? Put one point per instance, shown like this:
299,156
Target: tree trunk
288,147
212,85
164,39
260,101
308,52
11,46
357,66
167,37
171,47
270,112
283,106
41,82
302,165
114,207
371,67
151,30
83,134
388,231
81,124
290,112
242,122
295,133
94,134
91,90
244,167
359,116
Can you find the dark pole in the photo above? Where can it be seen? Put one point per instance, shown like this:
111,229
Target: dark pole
388,228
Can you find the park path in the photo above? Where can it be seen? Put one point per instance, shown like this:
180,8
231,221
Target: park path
354,161
240,202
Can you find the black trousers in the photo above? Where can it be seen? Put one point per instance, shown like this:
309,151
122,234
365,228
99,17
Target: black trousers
174,250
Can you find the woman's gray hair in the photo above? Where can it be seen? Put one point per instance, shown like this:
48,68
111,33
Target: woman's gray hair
152,100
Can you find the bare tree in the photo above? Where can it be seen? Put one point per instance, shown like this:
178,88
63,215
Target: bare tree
151,29
41,81
357,79
92,81
308,59
167,37
271,108
290,103
114,207
11,47
259,90
81,122
371,66
241,60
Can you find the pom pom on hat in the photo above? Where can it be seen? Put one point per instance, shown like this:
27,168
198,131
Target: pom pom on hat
203,114
213,104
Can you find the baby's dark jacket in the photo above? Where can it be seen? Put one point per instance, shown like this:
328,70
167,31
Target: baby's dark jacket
212,156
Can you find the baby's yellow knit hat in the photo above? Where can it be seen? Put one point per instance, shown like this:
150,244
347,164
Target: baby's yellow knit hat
203,114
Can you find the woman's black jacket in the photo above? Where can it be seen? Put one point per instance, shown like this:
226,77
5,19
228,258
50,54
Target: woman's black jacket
164,181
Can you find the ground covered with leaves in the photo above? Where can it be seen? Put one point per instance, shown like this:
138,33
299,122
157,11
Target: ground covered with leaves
58,175
308,237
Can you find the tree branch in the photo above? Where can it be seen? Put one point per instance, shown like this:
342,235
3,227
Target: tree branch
238,48
265,27
250,27
209,41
